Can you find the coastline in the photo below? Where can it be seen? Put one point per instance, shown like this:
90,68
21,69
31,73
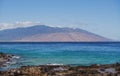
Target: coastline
33,42
65,70
60,70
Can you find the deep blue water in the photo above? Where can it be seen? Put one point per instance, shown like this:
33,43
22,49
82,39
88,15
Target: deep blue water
63,53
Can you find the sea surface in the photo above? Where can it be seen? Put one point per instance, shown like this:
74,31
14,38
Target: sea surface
71,53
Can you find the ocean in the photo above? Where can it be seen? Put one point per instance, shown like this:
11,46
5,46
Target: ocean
68,53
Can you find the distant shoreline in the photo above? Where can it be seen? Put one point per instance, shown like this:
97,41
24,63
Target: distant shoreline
65,42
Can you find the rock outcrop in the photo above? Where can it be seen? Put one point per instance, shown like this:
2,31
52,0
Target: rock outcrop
7,59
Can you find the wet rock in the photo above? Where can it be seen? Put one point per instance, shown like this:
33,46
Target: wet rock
4,58
7,59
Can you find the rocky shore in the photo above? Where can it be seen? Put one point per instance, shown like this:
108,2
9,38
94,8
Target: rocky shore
7,60
59,70
65,70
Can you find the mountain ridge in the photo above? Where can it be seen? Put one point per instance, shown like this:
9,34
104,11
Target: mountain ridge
43,33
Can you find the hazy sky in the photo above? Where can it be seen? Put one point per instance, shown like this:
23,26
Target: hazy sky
98,16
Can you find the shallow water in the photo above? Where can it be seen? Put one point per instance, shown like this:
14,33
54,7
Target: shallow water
63,53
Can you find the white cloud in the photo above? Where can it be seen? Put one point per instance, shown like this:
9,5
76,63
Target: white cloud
18,24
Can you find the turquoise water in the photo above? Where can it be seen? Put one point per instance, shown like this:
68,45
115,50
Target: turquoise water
63,53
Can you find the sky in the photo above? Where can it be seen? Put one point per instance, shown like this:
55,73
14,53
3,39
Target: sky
98,16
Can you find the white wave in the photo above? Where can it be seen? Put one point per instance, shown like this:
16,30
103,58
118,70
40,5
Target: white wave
16,57
11,62
54,64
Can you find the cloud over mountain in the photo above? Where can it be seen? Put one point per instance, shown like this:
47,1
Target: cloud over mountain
17,24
